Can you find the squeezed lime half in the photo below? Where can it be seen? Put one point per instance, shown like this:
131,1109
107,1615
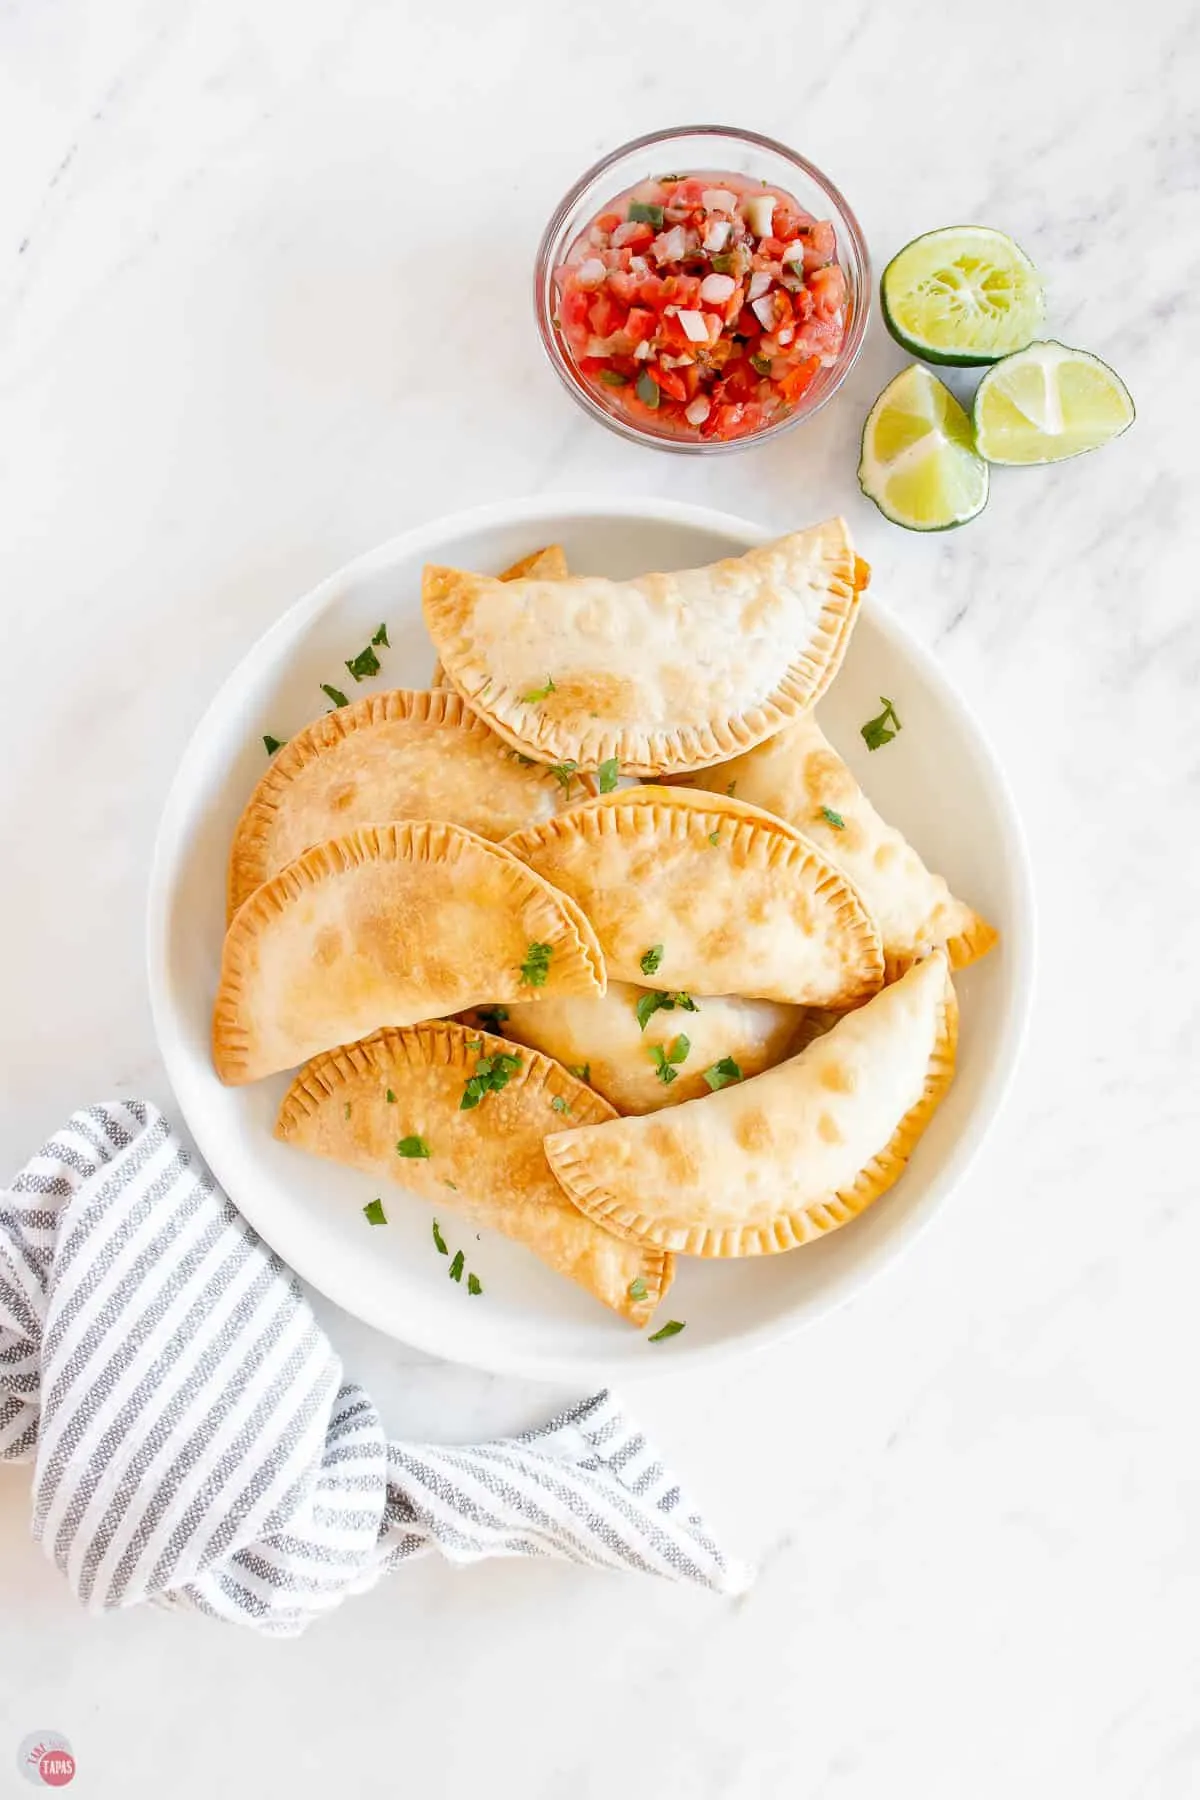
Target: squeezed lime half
965,294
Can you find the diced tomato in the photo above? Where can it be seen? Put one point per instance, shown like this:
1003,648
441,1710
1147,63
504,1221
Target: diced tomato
828,287
609,221
747,324
820,247
802,304
635,234
622,286
640,324
685,290
654,292
573,311
604,316
798,378
770,249
671,382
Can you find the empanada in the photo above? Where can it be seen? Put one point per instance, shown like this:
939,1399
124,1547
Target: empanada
390,924
737,901
800,777
360,1103
766,1164
549,564
659,673
632,1067
400,755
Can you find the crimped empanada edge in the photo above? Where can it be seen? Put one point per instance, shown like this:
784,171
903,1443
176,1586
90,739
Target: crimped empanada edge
788,1230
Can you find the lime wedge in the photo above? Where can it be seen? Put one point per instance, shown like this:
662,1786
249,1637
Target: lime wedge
918,456
1047,403
965,294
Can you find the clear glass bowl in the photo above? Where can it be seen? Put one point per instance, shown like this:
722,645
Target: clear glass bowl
707,148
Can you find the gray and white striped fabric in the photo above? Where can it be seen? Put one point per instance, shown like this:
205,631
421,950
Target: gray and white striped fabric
194,1442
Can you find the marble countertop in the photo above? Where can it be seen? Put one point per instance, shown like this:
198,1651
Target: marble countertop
225,238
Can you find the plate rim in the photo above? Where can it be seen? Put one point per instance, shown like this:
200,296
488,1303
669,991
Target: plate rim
1021,942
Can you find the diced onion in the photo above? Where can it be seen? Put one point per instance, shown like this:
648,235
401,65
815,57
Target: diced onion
591,273
764,311
793,252
760,210
785,334
644,351
677,362
718,200
716,289
639,267
693,324
698,410
716,235
760,281
670,246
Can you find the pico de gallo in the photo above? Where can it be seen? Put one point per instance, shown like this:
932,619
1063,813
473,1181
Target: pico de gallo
702,306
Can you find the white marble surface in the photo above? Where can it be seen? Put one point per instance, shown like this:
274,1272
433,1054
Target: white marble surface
226,237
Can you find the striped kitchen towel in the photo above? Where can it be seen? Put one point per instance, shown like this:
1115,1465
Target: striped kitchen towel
193,1440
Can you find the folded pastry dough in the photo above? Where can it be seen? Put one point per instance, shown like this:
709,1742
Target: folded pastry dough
739,901
549,564
603,1037
358,1103
390,924
400,755
662,672
766,1164
798,773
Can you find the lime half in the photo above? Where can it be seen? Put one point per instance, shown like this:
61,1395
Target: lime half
1047,403
918,456
965,294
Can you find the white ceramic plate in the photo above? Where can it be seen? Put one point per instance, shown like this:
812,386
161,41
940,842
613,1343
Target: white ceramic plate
938,781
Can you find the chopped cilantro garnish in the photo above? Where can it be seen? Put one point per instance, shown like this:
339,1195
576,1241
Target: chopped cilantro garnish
760,363
637,1289
641,214
474,1043
446,1182
364,664
347,1109
412,1146
559,1104
455,1271
273,743
671,1329
374,1214
651,959
535,695
564,774
833,818
381,637
658,1001
667,1061
614,378
335,694
714,838
438,1240
724,263
474,1285
607,774
536,966
731,790
389,1097
491,1017
647,389
722,1073
582,1070
491,1074
875,732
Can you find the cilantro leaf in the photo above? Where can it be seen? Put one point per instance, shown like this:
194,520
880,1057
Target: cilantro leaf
722,1073
651,959
455,1271
714,838
413,1147
273,743
731,790
564,774
637,1289
335,694
685,1003
833,818
671,1329
666,1061
346,1110
491,1074
374,1214
389,1097
559,1104
659,1001
364,664
474,1285
875,732
536,966
536,695
438,1240
641,214
607,775
491,1017
381,637
582,1070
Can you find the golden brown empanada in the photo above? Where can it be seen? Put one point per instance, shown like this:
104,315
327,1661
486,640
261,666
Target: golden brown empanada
390,924
549,564
800,777
766,1164
738,901
361,1103
630,1066
662,672
406,754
